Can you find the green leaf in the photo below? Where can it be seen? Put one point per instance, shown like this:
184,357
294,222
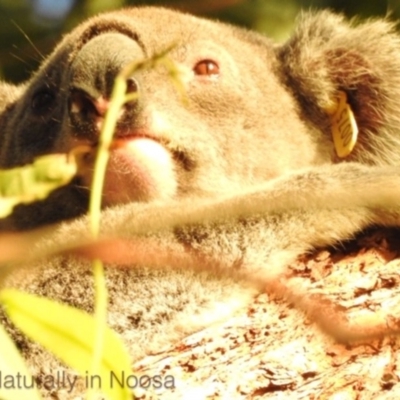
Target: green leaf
35,181
16,381
69,333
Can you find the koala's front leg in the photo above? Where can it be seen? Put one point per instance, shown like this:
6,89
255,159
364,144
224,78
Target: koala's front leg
288,235
259,250
342,186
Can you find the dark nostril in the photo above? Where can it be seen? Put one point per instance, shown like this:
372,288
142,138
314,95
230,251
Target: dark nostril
83,105
80,103
131,86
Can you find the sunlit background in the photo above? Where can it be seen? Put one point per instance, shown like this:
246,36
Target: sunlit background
29,29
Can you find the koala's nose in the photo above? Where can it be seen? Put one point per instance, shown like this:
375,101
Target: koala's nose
100,60
92,77
83,105
87,113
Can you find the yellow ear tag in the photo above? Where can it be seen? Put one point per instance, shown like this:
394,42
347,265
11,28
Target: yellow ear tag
344,126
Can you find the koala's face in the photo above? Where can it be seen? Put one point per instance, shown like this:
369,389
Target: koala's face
239,125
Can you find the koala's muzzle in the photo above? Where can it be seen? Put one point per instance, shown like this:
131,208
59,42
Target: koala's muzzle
93,73
140,168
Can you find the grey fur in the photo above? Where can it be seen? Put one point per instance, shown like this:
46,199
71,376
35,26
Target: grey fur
253,179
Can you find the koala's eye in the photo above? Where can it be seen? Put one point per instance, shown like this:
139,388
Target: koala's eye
42,101
206,68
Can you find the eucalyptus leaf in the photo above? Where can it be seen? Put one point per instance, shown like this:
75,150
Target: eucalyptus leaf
69,334
35,181
16,382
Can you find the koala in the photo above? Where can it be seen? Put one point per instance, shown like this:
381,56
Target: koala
212,196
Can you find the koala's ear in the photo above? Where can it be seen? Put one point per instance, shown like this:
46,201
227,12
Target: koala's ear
326,55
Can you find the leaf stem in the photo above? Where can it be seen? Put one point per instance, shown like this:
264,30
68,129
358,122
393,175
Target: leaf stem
102,156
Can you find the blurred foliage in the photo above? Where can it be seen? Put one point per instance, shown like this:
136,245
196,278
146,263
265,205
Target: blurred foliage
29,29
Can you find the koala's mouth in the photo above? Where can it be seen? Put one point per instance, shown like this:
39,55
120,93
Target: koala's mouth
141,163
124,138
140,168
